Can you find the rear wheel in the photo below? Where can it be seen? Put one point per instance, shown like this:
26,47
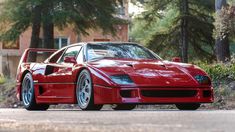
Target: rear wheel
85,92
189,106
28,95
123,106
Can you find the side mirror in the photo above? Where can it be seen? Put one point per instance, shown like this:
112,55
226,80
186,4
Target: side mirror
176,59
70,59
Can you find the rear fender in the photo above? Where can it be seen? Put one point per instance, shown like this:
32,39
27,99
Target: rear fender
24,66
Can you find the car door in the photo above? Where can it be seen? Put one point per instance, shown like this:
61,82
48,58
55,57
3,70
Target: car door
60,83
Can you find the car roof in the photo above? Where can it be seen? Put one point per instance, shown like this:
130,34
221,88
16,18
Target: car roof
101,43
85,43
110,43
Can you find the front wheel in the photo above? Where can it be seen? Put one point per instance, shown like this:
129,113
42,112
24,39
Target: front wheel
123,106
85,92
28,95
188,106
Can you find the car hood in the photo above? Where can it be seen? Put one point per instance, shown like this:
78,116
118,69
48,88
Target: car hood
154,73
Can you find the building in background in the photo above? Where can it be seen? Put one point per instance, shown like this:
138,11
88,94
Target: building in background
10,53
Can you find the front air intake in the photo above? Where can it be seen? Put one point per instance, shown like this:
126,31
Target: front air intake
169,93
206,93
125,93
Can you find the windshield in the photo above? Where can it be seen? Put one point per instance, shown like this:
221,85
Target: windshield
120,51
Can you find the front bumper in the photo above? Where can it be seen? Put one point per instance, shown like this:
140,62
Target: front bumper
107,95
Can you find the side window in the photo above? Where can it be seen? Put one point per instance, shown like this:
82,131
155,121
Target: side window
56,56
80,57
72,51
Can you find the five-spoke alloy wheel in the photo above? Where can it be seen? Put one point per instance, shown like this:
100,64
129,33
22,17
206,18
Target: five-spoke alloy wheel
27,89
28,96
85,93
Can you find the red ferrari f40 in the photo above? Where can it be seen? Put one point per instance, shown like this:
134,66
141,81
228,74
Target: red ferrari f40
98,73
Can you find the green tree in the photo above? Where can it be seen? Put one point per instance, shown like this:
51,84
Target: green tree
177,27
225,25
81,15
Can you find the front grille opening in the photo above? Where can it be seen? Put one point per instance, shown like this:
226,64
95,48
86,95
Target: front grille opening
169,93
206,93
125,93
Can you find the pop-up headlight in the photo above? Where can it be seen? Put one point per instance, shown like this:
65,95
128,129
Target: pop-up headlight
204,80
122,79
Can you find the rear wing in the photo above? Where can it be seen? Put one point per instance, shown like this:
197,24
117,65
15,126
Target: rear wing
25,56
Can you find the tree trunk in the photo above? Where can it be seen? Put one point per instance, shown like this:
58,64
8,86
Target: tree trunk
222,45
184,30
48,28
222,49
48,35
36,25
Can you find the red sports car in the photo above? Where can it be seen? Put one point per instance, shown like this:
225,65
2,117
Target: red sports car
120,74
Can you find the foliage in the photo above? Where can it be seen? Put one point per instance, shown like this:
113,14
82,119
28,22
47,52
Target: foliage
217,71
144,34
2,79
79,14
13,19
160,26
220,73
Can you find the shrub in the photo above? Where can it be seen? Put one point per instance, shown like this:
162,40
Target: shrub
222,76
2,79
220,73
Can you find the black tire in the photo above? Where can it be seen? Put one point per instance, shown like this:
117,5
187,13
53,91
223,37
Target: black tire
28,95
188,106
123,106
85,92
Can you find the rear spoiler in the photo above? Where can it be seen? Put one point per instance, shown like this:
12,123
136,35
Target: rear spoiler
25,55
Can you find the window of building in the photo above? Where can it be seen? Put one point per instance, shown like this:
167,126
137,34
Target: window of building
61,42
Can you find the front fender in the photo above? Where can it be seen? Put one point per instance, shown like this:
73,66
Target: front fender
100,78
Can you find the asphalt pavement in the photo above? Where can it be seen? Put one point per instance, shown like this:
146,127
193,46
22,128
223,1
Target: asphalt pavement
20,120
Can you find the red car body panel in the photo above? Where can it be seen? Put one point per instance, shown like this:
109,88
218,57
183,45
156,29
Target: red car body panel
153,79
